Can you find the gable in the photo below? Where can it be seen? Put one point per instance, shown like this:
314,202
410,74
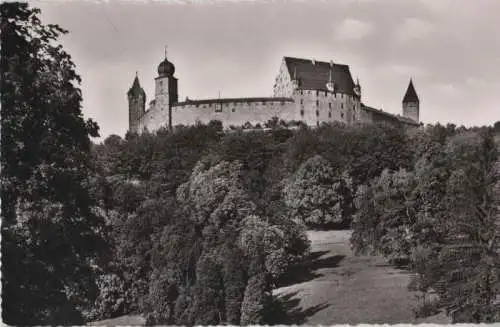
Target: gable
315,75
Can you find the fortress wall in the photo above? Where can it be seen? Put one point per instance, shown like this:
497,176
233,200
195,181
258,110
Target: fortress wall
233,113
154,118
379,117
365,116
322,106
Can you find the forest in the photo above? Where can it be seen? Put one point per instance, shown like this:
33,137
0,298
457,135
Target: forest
197,225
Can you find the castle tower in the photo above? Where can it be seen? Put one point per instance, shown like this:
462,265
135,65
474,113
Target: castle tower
136,105
411,103
166,88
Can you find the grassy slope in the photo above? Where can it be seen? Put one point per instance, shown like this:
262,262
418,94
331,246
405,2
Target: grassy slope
340,288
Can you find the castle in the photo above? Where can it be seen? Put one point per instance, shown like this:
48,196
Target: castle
309,91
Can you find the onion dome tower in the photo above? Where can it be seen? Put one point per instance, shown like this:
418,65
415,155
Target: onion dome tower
166,88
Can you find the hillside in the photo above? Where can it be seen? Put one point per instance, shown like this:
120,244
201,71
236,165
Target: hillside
340,288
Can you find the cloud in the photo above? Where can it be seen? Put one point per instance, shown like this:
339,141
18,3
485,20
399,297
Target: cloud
413,29
437,6
353,29
448,89
405,70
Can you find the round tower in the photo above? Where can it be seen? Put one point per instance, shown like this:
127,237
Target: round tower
136,105
411,103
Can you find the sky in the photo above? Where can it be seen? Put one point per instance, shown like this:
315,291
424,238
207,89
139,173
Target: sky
448,47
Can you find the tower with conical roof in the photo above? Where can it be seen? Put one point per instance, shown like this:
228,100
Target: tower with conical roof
136,105
166,88
411,103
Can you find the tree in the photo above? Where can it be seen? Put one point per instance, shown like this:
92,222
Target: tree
384,222
51,231
318,194
208,306
464,267
255,301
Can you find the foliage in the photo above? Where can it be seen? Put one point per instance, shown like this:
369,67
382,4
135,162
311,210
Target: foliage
318,194
444,218
255,301
51,231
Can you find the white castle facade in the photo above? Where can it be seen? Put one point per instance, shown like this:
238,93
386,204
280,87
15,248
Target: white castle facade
309,91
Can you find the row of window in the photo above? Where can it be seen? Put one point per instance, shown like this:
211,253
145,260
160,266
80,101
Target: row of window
317,114
236,103
324,93
329,104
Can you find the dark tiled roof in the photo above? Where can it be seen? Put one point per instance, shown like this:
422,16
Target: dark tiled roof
136,88
411,94
388,116
232,100
315,76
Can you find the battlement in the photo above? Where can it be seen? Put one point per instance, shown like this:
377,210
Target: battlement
312,92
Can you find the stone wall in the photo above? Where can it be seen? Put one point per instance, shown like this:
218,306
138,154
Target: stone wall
316,107
236,112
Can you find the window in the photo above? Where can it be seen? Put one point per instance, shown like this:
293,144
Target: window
330,105
317,123
342,106
330,114
317,93
317,103
317,112
301,101
342,115
232,110
302,112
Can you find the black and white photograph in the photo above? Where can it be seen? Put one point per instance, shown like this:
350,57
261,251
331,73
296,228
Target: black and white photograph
251,162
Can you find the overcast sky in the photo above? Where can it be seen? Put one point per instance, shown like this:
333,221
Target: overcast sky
450,48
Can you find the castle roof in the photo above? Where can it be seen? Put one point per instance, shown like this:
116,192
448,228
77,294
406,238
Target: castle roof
411,94
314,75
136,88
232,100
384,115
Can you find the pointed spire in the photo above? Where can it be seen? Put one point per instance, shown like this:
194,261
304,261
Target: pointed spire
165,52
136,85
411,94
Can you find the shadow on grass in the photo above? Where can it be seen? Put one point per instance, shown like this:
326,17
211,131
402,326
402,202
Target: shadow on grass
399,263
307,269
285,310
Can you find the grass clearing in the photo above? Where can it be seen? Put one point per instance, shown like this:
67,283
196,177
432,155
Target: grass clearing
340,288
